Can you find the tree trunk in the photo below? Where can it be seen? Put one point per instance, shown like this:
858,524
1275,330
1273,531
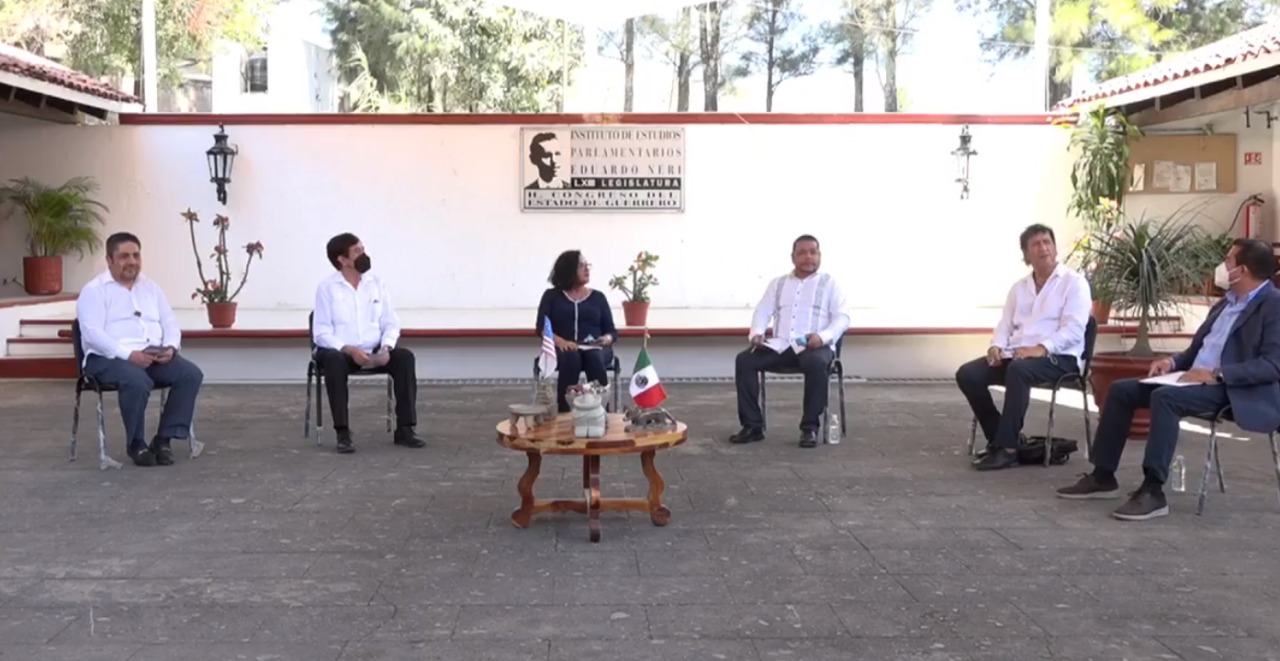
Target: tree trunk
891,37
770,63
859,76
629,62
709,44
684,64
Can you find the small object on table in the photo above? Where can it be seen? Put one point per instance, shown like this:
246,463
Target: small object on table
558,437
589,418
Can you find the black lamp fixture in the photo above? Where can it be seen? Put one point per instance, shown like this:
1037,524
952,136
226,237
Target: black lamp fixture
962,155
221,157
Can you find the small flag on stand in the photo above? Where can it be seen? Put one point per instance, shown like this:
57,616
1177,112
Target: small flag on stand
547,356
646,389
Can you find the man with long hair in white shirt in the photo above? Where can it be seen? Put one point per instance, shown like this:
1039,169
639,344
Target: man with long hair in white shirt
131,340
1040,338
808,313
355,327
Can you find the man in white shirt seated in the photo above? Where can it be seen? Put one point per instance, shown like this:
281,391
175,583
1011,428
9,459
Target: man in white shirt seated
131,341
356,328
1039,339
808,314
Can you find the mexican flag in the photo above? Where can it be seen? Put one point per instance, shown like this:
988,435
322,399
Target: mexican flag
646,388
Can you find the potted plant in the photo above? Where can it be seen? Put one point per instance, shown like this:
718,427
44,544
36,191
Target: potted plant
216,293
634,284
1099,180
1145,265
62,220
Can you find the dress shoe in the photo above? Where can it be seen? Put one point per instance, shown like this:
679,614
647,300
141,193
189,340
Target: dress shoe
160,448
345,443
747,435
997,460
809,438
141,456
405,436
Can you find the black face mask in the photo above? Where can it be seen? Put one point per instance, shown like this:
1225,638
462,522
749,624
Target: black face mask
362,264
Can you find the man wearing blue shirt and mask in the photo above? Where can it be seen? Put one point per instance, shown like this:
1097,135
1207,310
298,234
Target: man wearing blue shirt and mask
1233,359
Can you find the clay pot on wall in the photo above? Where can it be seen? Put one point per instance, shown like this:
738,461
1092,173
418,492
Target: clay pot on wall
221,315
42,276
635,313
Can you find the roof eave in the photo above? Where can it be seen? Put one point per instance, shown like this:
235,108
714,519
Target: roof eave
66,94
1150,92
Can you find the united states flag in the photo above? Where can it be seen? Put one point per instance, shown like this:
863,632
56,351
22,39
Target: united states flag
547,357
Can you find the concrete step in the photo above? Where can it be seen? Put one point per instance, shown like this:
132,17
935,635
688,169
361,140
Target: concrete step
43,327
23,367
47,347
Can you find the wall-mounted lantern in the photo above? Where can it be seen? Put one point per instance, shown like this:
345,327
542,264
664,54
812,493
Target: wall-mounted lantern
221,157
962,155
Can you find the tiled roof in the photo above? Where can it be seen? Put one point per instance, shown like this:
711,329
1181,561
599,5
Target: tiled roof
1235,49
20,62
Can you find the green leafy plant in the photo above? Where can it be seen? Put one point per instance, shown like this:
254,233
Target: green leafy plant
1146,264
638,277
61,219
219,290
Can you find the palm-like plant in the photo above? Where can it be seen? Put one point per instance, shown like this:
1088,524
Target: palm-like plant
62,219
1146,264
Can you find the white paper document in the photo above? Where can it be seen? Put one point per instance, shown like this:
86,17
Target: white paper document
1139,180
1181,182
1170,379
1207,176
1163,175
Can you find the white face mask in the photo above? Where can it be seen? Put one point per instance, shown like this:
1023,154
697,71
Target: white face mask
1222,276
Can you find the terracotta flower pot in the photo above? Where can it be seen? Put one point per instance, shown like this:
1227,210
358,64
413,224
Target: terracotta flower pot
221,315
1109,367
1101,312
635,313
42,276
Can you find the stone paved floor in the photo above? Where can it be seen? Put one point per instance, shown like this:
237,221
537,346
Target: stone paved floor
885,547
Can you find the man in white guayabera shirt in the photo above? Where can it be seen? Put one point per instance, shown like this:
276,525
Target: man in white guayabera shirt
1039,339
131,340
808,313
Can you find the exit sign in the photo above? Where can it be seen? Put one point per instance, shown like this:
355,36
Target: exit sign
1253,158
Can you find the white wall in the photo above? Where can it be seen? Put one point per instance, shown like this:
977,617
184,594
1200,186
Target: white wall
438,209
1216,211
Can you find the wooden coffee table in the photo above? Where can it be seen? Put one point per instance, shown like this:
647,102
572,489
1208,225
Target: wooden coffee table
556,437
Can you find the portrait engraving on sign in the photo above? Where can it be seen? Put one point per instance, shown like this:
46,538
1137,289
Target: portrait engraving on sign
602,168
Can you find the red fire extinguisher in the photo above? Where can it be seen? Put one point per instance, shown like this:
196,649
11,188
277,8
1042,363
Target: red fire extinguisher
1253,220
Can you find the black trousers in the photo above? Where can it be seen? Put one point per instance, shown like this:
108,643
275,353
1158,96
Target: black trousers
1018,378
1168,405
403,367
813,363
595,362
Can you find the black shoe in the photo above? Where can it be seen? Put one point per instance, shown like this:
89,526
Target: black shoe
809,438
998,459
160,448
991,447
141,456
345,444
1090,487
747,435
1148,502
405,436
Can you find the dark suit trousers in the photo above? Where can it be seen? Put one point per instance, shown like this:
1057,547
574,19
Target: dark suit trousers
813,363
134,385
1168,405
1018,378
403,367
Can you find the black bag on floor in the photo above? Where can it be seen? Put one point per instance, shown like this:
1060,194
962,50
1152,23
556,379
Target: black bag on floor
1032,451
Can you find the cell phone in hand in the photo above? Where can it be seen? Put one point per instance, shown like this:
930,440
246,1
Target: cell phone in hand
154,350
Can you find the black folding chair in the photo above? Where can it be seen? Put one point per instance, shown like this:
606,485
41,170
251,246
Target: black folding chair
834,369
615,367
84,382
315,372
1213,463
1079,379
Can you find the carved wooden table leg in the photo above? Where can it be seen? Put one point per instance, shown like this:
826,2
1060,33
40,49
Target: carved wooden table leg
658,513
591,466
524,515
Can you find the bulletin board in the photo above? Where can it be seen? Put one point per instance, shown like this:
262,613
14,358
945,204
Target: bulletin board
1182,164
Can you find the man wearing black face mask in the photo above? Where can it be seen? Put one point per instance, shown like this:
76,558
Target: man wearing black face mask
356,328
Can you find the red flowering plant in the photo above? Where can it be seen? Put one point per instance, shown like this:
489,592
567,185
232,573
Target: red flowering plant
218,290
640,278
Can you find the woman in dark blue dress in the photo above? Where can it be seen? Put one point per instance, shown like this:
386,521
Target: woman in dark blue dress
581,323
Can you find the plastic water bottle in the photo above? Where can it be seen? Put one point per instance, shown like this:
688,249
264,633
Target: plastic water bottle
1178,474
833,429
